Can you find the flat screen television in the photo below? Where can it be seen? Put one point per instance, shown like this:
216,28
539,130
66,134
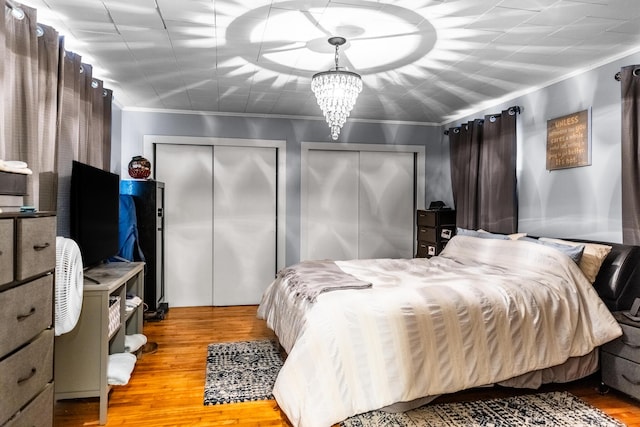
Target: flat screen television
95,204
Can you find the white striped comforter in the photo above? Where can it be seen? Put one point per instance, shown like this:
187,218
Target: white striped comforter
482,312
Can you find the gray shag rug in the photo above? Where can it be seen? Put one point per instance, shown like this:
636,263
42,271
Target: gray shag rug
241,371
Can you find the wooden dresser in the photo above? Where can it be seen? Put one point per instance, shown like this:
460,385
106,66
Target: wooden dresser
435,228
27,262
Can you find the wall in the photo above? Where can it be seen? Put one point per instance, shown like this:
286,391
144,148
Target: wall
136,124
578,202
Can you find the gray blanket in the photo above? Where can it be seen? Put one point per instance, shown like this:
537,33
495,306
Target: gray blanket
311,278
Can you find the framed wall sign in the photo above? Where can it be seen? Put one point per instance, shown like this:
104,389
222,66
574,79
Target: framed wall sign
569,141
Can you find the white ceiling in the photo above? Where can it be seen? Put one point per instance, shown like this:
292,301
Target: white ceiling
420,60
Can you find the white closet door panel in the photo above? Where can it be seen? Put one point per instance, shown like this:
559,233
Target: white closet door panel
386,200
186,171
332,205
244,224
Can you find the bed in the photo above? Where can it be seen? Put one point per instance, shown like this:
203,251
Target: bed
395,333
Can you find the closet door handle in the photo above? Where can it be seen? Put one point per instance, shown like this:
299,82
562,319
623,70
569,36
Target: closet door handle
21,317
28,376
41,247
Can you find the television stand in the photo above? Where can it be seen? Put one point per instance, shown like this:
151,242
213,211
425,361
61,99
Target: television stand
91,279
82,355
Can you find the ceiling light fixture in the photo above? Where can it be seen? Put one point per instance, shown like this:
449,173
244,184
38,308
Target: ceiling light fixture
336,91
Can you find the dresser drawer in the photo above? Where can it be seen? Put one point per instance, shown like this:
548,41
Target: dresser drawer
426,234
38,413
627,345
426,249
36,245
436,234
6,251
621,374
26,310
436,218
25,373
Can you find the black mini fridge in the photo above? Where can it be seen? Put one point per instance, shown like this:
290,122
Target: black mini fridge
148,196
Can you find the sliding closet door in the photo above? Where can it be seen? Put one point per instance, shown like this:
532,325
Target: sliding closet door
244,224
332,205
386,205
220,215
358,204
187,171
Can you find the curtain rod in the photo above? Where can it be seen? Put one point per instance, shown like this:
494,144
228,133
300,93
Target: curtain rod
10,4
511,111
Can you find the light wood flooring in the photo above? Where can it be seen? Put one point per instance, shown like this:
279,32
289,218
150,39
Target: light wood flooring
167,387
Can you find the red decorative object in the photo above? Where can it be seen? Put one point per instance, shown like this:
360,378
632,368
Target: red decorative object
139,168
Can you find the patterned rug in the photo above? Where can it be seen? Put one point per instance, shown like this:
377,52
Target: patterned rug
241,371
557,409
246,371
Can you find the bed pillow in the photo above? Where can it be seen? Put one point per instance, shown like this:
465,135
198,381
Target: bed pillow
592,258
516,236
480,233
574,252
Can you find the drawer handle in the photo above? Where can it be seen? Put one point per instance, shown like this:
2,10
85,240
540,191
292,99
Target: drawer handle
628,344
41,247
628,380
28,377
31,312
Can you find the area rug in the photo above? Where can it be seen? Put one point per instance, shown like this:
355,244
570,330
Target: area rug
558,409
241,371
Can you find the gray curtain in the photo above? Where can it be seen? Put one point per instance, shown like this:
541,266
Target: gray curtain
483,173
630,86
50,112
107,99
2,56
20,93
46,186
464,148
498,200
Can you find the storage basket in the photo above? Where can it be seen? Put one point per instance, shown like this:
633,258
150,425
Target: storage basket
114,314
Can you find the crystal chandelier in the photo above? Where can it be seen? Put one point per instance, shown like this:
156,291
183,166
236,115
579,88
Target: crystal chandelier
336,91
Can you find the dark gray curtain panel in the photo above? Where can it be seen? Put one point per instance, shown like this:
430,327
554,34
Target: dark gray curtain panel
497,199
630,86
483,173
464,143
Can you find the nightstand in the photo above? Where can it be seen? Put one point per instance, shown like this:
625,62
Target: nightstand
620,358
435,228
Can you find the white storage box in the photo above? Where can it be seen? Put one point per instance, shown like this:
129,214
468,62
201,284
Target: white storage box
114,315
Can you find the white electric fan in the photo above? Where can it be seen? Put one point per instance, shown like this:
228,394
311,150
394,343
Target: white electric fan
68,286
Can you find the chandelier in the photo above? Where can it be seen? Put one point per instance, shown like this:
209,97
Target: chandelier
336,91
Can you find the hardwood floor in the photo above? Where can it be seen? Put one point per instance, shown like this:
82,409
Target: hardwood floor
166,388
